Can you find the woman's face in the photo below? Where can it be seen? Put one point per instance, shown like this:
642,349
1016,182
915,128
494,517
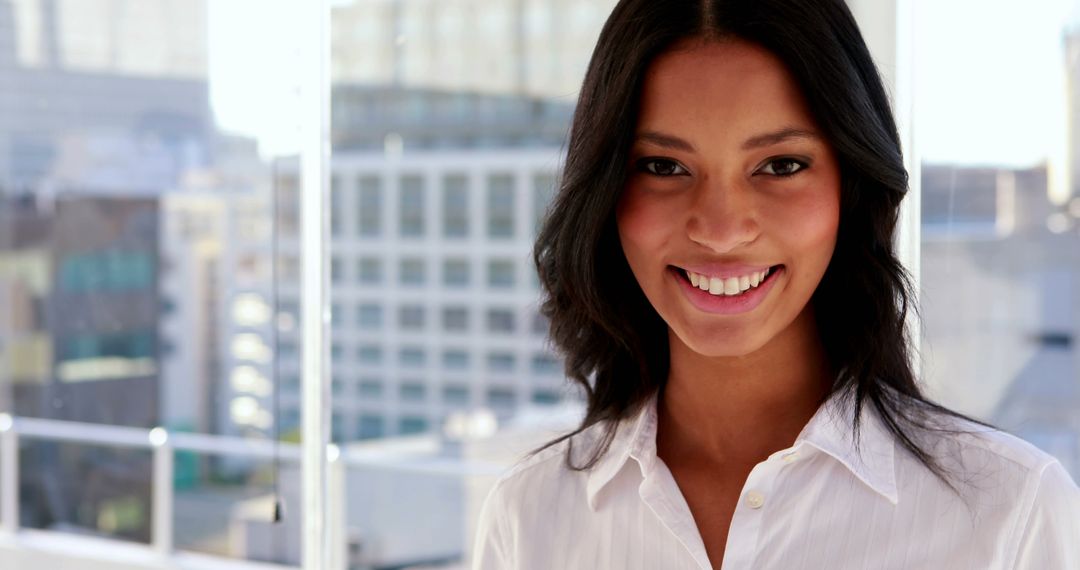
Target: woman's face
729,177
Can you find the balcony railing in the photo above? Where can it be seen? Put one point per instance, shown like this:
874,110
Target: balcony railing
163,445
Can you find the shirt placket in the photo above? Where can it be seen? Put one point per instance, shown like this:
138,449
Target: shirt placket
657,491
744,533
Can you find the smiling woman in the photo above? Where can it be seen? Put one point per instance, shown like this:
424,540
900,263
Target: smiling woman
720,275
753,190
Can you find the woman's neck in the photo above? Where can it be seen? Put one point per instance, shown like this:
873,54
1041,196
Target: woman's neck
739,410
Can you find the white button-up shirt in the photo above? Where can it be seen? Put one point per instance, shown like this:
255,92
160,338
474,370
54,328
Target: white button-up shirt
819,504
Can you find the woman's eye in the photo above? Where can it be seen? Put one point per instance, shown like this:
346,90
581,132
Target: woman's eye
783,167
660,167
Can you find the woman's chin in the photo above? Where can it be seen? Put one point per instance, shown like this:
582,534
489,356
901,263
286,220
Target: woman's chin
720,344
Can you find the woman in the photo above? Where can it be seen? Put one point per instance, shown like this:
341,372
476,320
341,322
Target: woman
721,279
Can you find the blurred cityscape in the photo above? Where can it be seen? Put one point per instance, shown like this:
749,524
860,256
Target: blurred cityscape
149,277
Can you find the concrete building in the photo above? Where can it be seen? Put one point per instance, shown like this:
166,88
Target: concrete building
433,296
515,47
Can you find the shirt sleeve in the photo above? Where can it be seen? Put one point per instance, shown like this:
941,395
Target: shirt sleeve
1051,536
490,549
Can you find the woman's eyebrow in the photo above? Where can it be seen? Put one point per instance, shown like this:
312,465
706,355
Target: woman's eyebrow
666,141
779,136
757,141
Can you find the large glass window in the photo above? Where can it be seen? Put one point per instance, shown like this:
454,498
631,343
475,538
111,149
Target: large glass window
150,273
1000,279
153,171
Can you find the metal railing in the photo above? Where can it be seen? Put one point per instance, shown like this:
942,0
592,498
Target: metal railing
163,446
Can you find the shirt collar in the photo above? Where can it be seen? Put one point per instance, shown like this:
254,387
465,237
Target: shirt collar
829,430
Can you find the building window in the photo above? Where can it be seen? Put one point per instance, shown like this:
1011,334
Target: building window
110,271
337,270
500,397
289,307
287,349
287,197
455,319
539,324
455,359
290,383
500,206
370,354
543,191
337,426
290,420
412,271
961,199
412,356
500,320
335,206
501,362
371,388
337,386
412,206
371,426
545,397
455,206
456,272
412,392
411,317
544,364
412,424
370,206
337,352
336,319
370,270
369,316
455,394
500,273
289,270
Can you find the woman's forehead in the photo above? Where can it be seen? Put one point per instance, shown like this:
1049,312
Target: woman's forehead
720,87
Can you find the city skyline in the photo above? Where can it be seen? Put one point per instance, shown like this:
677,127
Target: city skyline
965,92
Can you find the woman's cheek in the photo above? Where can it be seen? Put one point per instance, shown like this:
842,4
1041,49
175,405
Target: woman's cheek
810,221
641,220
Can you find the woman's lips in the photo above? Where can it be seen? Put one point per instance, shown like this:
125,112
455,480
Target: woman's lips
727,304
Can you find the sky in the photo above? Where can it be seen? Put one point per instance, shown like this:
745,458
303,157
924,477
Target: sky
989,77
989,80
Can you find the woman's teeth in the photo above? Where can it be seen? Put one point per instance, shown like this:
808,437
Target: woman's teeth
731,286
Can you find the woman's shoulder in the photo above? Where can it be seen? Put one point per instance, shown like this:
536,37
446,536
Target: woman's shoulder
525,496
556,473
1010,474
992,447
551,461
997,469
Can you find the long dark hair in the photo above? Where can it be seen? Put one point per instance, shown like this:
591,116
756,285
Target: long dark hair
613,341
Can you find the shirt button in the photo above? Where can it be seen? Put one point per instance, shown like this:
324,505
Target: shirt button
790,457
754,500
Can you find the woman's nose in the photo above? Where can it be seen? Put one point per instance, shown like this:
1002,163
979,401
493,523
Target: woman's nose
723,217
